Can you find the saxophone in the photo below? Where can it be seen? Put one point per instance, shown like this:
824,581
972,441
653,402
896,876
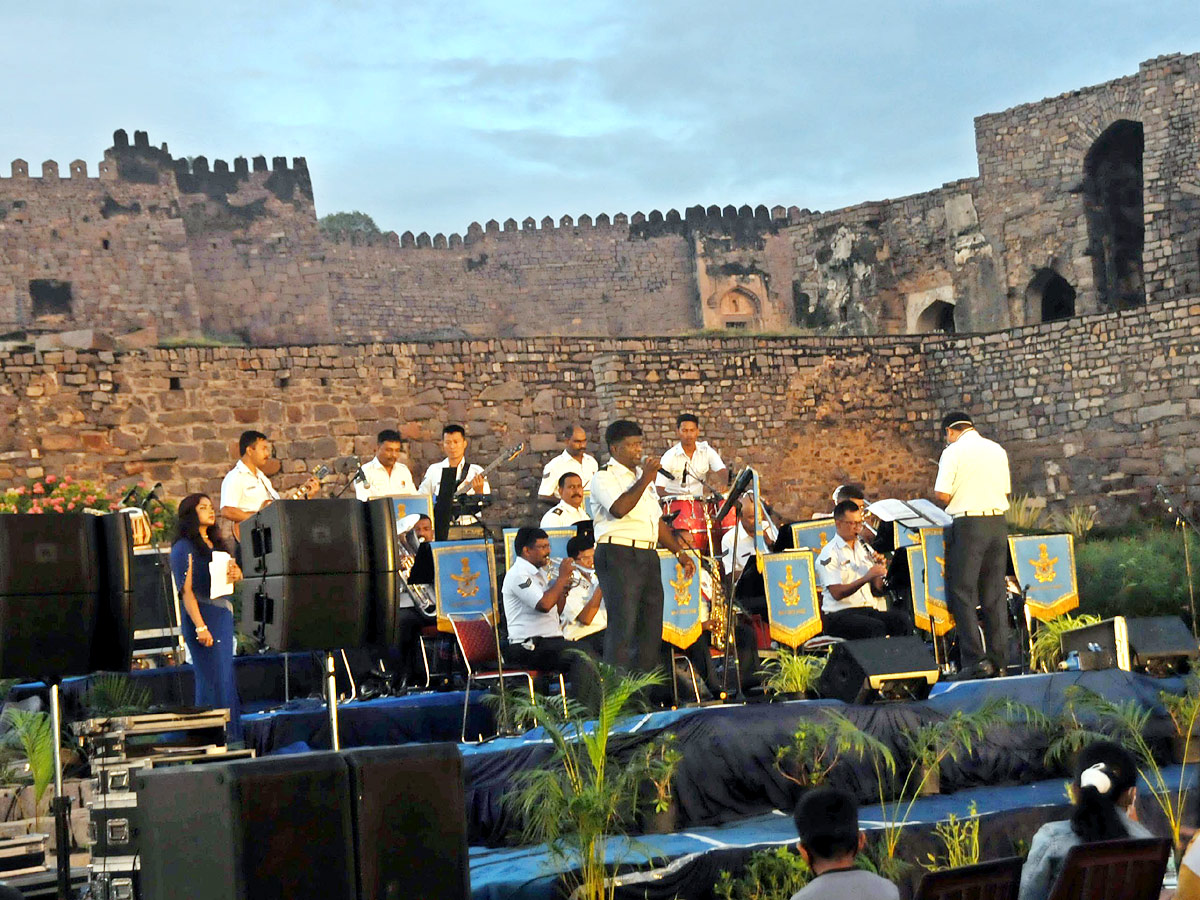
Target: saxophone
710,572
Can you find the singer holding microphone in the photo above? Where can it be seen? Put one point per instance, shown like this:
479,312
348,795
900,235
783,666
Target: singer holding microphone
853,604
207,620
628,528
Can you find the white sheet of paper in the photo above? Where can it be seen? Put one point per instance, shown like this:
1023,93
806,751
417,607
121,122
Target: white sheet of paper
918,513
218,572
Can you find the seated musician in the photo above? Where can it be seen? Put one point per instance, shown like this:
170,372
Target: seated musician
851,575
583,615
385,475
690,462
533,604
569,509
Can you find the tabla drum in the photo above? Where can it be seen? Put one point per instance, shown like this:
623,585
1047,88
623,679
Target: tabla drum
140,522
689,518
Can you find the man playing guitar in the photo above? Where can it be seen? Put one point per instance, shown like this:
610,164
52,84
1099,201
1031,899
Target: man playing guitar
246,489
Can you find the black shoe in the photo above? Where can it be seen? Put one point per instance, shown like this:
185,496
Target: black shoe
982,669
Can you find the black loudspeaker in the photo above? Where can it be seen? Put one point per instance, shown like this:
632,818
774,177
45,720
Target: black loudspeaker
49,594
410,827
311,612
1156,645
277,828
307,537
891,668
112,649
384,564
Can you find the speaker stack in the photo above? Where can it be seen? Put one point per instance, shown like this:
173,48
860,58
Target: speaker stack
370,824
1155,645
308,582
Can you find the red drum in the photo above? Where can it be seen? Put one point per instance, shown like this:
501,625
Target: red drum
722,527
689,519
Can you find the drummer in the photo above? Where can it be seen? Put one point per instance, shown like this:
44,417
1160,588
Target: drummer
691,463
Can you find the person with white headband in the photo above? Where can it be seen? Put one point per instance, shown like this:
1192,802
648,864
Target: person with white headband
1104,791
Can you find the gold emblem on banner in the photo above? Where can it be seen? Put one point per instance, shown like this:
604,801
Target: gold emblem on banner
942,565
1043,566
400,513
682,583
791,589
468,581
824,538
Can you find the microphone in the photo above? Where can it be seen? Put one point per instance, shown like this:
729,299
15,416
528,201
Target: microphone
129,495
670,518
743,482
360,477
665,474
152,496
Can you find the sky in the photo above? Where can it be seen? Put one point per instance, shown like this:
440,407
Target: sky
429,116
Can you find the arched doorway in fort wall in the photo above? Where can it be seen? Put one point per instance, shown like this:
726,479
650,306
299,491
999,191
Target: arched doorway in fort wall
1112,196
1048,297
739,308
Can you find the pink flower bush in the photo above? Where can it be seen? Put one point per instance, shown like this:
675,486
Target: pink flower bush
50,479
39,488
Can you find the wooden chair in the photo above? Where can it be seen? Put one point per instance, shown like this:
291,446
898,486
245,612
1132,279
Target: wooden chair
1113,870
477,642
998,879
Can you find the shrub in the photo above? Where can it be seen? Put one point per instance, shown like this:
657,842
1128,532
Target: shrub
54,494
1140,575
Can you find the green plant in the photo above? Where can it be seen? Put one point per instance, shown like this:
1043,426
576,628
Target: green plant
1077,521
51,494
1024,512
112,694
769,875
1090,717
583,794
819,744
791,672
960,838
1141,574
1047,639
33,733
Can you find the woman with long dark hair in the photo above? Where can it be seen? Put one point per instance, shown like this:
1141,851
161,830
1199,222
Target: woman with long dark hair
207,620
1104,790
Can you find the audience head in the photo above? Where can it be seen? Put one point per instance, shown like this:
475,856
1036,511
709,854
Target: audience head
827,822
454,442
570,488
254,447
387,449
1105,780
532,545
624,440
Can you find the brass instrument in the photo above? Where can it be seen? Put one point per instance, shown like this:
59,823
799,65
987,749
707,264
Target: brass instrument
717,605
421,594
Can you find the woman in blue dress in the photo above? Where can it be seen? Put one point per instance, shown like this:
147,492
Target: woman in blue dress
207,620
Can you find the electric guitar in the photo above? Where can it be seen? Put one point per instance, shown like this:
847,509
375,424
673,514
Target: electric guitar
505,456
304,491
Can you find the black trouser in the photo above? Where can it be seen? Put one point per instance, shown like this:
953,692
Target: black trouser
631,580
409,623
865,622
976,563
706,664
557,654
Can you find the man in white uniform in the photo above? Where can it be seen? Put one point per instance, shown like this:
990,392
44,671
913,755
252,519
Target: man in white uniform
454,443
532,605
690,462
574,458
584,617
973,484
851,576
569,509
245,489
386,476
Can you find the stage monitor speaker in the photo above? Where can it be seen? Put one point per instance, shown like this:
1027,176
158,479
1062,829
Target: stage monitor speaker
155,603
891,668
307,537
1156,645
311,612
48,554
112,648
410,827
276,828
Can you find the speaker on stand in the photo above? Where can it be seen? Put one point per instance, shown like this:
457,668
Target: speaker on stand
889,668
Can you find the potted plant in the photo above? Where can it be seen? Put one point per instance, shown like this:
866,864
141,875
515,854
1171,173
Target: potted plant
791,675
1047,640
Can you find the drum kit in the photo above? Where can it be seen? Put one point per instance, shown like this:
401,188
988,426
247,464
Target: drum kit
695,518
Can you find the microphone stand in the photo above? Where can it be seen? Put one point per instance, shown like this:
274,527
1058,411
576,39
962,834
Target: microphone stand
1182,519
357,478
735,492
504,726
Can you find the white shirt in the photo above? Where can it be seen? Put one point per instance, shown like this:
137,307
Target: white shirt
640,523
560,466
745,547
563,515
840,563
582,589
433,477
246,490
704,460
974,472
523,589
381,484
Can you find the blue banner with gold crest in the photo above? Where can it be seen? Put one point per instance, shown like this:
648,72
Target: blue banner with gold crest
464,580
934,543
412,504
791,588
1045,567
926,617
682,623
813,535
558,543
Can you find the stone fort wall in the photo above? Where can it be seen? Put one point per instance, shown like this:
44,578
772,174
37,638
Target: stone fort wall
1094,410
1083,203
